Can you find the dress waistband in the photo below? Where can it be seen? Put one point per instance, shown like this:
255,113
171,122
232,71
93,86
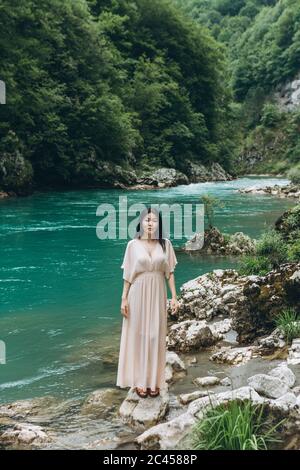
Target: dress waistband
148,273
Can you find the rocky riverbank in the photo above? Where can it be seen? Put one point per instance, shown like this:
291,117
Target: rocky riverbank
212,241
290,190
221,345
18,180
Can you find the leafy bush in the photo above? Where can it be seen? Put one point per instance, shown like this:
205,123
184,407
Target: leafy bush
273,247
234,426
294,174
270,115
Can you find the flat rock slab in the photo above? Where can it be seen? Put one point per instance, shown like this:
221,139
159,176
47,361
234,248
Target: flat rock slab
144,412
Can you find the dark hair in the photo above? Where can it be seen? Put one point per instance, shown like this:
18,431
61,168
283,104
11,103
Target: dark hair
159,231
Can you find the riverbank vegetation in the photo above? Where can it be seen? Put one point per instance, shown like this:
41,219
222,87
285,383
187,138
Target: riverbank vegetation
135,83
262,41
235,426
277,245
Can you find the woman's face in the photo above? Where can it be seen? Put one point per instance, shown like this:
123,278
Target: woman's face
150,224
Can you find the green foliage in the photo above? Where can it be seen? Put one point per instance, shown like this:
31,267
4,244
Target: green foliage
270,251
120,81
249,264
262,38
235,426
210,203
294,250
270,115
294,174
272,246
288,321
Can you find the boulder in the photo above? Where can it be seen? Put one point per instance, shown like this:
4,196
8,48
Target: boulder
294,352
169,435
268,386
175,367
230,355
24,433
208,381
190,335
144,412
284,373
101,403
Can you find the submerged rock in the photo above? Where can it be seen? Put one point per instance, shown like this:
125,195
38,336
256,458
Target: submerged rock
24,433
101,403
290,190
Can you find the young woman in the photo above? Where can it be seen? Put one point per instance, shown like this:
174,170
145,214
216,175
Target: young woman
149,259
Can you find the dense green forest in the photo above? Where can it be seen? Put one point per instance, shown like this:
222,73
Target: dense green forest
262,39
131,82
138,84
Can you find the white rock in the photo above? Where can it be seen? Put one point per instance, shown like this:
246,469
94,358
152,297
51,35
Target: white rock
188,397
226,382
218,328
268,386
208,381
167,435
24,433
289,400
229,355
144,412
294,352
284,373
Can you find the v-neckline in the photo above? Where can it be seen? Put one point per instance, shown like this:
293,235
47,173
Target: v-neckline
147,250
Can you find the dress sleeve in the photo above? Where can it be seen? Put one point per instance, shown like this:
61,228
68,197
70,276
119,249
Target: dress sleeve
171,259
127,263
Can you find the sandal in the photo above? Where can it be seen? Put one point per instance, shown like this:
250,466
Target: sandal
141,392
153,393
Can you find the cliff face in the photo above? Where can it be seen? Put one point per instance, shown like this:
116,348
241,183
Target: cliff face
287,96
272,146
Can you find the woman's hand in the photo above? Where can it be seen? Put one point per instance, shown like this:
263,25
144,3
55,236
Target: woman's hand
125,307
174,305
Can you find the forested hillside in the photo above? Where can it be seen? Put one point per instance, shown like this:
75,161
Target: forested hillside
129,82
262,39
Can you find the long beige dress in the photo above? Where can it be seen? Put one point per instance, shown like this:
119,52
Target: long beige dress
142,356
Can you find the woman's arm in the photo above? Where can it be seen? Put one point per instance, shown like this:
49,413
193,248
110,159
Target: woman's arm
174,302
171,282
124,302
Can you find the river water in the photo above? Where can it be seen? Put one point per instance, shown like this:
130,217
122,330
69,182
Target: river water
60,285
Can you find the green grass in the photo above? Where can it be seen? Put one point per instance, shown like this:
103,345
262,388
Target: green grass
235,426
271,250
254,265
288,322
